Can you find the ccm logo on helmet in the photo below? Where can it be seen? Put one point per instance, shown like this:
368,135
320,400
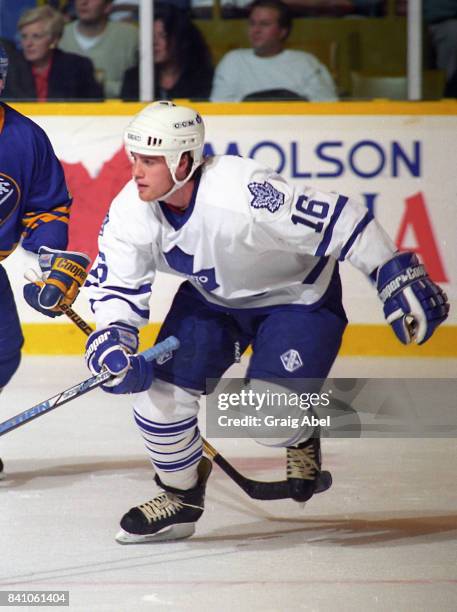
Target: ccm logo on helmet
188,123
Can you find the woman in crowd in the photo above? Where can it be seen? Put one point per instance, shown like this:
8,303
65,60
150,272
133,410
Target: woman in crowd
182,60
54,74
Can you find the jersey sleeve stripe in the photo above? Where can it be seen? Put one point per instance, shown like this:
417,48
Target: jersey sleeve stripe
38,220
59,210
144,314
322,248
126,291
358,230
122,290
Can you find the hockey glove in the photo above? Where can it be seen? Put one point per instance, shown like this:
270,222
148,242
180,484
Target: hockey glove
413,304
112,348
62,275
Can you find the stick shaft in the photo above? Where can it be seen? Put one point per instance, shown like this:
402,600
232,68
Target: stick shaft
168,345
77,320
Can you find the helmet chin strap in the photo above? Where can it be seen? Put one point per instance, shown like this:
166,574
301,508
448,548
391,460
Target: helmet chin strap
178,184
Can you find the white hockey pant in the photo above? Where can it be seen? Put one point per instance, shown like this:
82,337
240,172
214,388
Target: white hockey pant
166,416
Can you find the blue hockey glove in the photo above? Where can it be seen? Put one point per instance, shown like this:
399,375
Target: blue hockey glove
62,275
413,304
112,348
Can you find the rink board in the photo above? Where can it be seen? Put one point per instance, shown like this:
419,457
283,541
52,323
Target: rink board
398,158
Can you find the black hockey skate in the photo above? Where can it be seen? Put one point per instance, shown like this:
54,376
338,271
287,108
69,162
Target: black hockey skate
304,470
171,515
2,475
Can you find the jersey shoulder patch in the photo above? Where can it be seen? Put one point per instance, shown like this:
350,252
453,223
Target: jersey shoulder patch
264,195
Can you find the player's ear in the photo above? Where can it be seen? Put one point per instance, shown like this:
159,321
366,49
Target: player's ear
185,164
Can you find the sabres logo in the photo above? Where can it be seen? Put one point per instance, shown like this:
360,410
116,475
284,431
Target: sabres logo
266,196
9,196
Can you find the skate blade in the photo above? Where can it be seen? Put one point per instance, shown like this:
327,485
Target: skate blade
174,532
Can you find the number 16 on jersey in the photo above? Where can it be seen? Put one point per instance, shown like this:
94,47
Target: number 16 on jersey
310,210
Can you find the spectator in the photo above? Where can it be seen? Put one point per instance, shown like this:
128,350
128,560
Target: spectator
268,65
112,46
182,60
441,19
53,74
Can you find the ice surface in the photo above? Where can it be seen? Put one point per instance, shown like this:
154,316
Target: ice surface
383,537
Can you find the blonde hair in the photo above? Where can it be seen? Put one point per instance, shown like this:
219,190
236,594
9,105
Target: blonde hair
53,19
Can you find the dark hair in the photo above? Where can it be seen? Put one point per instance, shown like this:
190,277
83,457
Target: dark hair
186,42
284,14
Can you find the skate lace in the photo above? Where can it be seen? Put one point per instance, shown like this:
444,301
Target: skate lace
163,506
301,463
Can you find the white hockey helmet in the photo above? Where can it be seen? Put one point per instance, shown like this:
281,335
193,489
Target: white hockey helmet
163,128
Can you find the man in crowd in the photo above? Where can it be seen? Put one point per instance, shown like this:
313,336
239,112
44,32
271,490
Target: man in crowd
268,65
112,46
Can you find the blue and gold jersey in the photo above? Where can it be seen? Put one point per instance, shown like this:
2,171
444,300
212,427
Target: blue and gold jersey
34,199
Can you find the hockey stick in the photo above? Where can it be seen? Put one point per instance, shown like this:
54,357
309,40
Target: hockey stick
168,345
256,489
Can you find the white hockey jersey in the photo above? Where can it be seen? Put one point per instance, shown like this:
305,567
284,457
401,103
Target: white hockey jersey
248,239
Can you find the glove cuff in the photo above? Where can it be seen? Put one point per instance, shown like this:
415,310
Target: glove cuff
398,273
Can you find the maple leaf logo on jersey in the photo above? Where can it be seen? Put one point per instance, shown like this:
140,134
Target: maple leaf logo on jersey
266,196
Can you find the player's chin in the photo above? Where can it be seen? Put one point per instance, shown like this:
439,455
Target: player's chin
144,194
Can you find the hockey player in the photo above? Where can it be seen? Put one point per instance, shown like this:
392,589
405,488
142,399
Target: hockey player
261,262
34,205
